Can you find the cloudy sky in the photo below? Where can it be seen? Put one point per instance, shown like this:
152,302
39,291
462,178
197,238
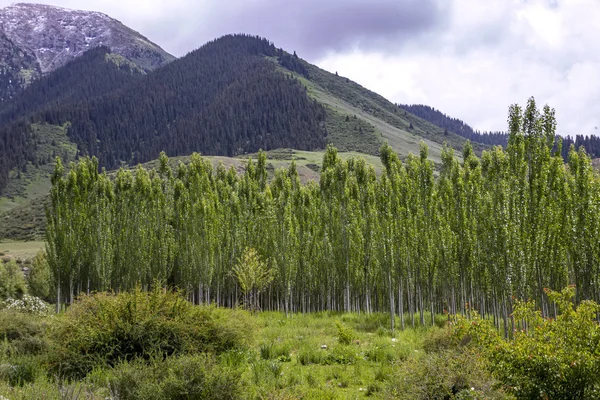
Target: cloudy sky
467,58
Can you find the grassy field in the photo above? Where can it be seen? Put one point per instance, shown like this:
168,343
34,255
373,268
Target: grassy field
312,356
18,249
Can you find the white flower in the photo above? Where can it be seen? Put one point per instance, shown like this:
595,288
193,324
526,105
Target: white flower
28,304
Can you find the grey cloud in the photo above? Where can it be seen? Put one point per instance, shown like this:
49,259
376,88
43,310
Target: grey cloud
311,27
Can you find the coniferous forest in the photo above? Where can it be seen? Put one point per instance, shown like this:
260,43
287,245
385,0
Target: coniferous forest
506,225
591,143
203,102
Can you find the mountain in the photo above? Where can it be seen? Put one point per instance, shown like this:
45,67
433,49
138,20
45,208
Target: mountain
30,136
36,39
232,96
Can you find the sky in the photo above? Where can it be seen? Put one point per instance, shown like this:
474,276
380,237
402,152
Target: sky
470,59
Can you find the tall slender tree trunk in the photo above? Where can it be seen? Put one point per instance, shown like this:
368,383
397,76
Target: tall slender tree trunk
401,302
391,292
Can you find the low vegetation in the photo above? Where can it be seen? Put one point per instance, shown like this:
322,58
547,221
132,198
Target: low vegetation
106,329
550,358
157,345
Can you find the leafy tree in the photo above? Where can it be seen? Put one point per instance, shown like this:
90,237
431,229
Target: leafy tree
253,276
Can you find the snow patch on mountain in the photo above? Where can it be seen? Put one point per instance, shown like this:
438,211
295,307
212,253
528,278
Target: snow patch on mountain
56,35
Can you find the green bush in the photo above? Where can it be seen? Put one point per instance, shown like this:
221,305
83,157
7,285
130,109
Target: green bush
345,335
19,372
105,329
12,281
187,377
21,334
553,358
39,279
442,375
438,340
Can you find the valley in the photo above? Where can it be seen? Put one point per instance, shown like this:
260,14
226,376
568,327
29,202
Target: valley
239,223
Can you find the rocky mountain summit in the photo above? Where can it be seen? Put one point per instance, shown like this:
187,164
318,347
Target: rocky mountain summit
36,39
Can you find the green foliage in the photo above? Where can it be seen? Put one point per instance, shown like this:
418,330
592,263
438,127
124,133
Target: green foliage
376,366
104,329
20,371
21,334
438,340
442,375
186,377
548,357
381,354
12,281
507,224
253,276
39,279
273,351
345,335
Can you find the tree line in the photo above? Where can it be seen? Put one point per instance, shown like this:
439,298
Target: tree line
486,231
590,142
456,125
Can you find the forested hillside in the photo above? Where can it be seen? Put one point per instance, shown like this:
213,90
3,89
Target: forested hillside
456,125
17,68
66,90
225,98
232,96
591,143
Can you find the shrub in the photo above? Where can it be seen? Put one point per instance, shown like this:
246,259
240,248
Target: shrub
345,335
104,329
39,279
12,281
21,334
19,372
186,377
438,340
554,359
442,375
28,305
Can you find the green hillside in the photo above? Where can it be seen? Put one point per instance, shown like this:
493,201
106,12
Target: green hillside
33,181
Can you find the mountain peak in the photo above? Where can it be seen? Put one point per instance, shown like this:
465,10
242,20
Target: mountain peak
56,35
